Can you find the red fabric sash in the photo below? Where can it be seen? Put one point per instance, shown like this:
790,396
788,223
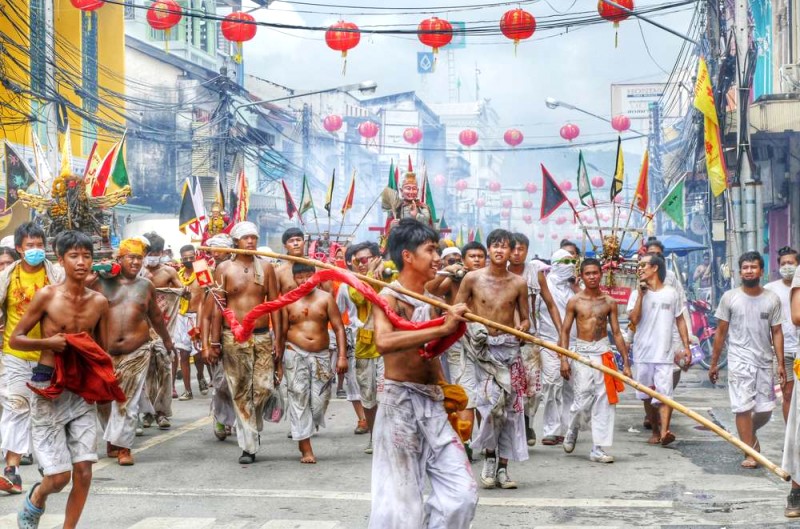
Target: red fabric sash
613,385
242,331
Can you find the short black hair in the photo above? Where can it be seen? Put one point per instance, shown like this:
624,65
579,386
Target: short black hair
473,245
302,268
28,229
652,241
292,232
521,238
661,265
751,257
5,250
566,242
409,234
71,239
156,242
500,235
788,250
187,248
591,261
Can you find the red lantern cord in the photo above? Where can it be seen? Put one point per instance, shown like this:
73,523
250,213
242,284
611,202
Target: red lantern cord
343,36
615,14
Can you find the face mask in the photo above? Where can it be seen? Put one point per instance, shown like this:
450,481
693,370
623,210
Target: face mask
787,271
750,283
563,272
151,261
34,256
187,264
165,259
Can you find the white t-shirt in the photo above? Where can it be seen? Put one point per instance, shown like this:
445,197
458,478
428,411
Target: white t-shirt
783,291
750,321
546,328
654,330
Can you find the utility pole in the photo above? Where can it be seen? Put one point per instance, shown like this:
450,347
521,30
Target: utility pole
225,129
655,178
306,132
50,87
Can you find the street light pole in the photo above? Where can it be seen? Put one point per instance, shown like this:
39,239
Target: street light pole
553,104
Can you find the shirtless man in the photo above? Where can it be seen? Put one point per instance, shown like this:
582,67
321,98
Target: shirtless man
187,335
307,360
497,294
247,281
159,374
413,438
64,429
132,312
592,311
294,242
474,256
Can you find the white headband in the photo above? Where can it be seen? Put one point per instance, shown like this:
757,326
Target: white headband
243,229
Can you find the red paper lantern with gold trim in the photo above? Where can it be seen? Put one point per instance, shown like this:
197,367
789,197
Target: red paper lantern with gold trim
517,24
238,27
513,137
164,15
87,5
412,135
435,32
368,129
569,132
332,123
343,36
614,14
468,137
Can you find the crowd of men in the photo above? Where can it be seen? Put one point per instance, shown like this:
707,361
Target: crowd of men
74,334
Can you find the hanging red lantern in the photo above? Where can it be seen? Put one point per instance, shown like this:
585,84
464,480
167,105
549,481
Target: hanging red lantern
598,181
87,5
517,24
513,137
468,137
461,185
569,132
343,36
554,236
332,123
480,202
621,123
494,187
527,218
561,220
527,204
566,185
574,201
163,15
238,27
440,180
507,203
615,14
412,135
530,187
368,129
435,32
505,214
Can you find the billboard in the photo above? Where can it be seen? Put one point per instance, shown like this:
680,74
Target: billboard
634,100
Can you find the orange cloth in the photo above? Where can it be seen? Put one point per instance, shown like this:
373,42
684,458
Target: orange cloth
85,369
613,385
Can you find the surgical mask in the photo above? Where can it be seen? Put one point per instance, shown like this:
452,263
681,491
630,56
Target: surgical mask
165,259
34,256
562,272
152,260
187,264
787,271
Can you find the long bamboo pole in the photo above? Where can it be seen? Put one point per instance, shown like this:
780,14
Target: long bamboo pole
542,343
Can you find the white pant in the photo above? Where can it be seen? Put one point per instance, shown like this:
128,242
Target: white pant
591,399
221,399
791,444
750,388
413,440
556,396
306,375
131,371
462,372
15,424
369,376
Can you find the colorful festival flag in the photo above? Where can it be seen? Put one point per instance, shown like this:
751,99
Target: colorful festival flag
673,205
619,172
584,187
704,102
427,195
348,201
478,235
392,176
642,196
291,209
119,173
192,213
306,200
107,167
552,195
43,175
240,199
329,195
19,176
460,237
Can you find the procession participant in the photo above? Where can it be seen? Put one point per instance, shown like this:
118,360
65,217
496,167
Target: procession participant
750,321
445,284
132,312
307,361
294,242
570,246
408,204
557,392
653,309
702,279
473,254
788,261
791,443
160,390
186,330
592,311
7,256
64,427
497,294
247,281
531,355
18,284
413,437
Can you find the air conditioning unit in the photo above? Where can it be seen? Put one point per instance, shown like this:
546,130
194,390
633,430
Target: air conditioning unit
790,75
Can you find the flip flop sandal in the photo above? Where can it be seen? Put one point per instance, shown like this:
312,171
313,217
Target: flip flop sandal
667,438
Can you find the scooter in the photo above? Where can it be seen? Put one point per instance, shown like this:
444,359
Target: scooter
704,327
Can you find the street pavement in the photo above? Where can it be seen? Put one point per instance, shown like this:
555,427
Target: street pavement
185,479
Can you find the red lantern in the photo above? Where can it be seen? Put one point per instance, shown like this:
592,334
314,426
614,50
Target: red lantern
517,24
480,202
238,27
343,36
412,135
598,181
621,123
461,185
368,129
569,131
505,214
494,187
554,236
513,137
561,220
545,221
440,180
527,218
507,203
87,5
615,14
566,185
468,137
540,235
332,123
435,32
530,187
527,204
163,15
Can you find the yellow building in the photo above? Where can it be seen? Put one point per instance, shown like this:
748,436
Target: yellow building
54,57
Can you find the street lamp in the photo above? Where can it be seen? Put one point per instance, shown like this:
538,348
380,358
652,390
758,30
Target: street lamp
553,104
365,87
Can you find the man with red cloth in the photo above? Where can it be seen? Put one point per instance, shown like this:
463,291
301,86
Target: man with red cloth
64,428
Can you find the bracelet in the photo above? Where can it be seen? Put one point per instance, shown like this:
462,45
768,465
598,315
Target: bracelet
215,344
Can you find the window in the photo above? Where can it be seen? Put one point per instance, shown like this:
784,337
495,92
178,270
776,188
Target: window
89,61
38,45
130,10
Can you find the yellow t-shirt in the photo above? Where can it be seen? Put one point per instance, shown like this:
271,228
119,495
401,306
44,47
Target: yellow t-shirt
21,289
365,337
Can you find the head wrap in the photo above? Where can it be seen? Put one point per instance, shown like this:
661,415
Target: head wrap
220,241
243,229
7,241
450,251
561,272
132,246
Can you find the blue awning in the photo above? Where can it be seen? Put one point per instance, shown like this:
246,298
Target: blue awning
680,244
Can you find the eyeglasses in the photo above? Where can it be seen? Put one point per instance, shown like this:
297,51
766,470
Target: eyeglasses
362,260
567,261
452,261
642,265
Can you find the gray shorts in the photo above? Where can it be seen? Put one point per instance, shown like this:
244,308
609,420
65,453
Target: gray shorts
64,431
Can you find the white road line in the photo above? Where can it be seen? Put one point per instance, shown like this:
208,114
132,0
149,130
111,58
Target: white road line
301,524
174,523
639,407
48,521
589,503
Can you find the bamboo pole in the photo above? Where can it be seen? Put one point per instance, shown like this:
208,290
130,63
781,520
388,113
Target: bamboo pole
542,343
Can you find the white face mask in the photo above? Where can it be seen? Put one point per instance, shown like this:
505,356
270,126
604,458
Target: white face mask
787,271
151,260
165,259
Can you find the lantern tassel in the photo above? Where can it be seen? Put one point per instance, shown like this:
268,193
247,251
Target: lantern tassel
237,58
616,34
516,44
166,40
344,63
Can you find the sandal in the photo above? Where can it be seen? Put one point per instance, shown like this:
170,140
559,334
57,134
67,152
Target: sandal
667,438
749,464
187,395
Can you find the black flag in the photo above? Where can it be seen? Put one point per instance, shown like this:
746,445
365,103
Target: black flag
552,195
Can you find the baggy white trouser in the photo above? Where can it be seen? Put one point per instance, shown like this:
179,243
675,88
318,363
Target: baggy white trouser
462,371
791,441
350,381
412,440
306,375
131,371
369,376
557,395
591,398
221,399
159,379
531,360
15,424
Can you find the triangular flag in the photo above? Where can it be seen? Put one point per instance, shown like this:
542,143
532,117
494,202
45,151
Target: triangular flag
478,235
306,200
104,172
348,201
704,102
673,205
220,195
471,235
427,195
552,195
43,175
240,198
66,155
19,176
329,195
291,209
93,163
442,224
192,213
642,196
619,172
460,237
392,176
584,186
118,178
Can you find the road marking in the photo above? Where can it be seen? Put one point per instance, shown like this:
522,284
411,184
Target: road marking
589,503
174,523
155,441
639,407
300,524
48,521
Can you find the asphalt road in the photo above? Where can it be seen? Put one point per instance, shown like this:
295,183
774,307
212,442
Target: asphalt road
185,479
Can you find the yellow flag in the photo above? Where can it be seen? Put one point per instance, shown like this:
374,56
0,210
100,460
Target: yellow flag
704,102
66,155
704,92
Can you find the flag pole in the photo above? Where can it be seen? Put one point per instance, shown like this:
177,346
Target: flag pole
583,227
651,216
364,216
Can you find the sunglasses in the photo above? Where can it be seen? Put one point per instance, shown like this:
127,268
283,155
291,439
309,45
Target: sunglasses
567,261
362,260
452,261
643,265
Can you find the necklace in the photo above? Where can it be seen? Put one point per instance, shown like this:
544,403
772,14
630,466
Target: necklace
246,270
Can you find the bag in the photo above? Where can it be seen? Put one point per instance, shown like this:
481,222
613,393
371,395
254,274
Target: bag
275,408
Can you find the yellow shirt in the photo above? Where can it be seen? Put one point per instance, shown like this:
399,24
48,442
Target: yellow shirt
365,337
21,289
